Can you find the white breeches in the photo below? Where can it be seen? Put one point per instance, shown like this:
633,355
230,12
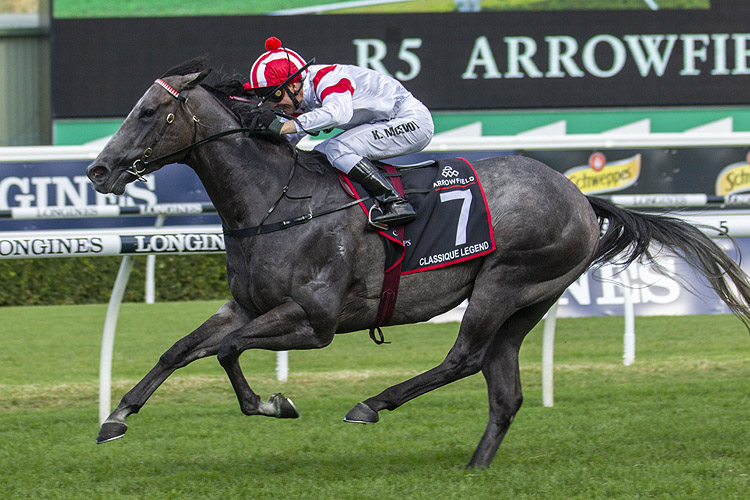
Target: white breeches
408,131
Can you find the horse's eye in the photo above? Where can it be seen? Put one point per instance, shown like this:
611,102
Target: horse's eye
147,113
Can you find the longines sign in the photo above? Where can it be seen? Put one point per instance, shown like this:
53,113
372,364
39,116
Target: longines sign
489,60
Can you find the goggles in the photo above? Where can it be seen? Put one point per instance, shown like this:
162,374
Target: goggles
274,95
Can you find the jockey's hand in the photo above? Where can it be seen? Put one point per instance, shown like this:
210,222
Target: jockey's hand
263,120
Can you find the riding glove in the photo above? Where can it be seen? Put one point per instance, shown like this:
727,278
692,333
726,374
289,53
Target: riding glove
264,120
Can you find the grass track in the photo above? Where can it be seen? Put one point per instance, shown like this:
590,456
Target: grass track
674,425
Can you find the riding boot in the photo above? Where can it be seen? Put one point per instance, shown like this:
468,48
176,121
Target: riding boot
396,211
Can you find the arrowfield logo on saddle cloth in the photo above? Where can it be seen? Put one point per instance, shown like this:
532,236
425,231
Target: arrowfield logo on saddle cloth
448,171
453,223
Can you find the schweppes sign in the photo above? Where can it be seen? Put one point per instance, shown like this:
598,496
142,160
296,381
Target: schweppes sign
601,176
734,178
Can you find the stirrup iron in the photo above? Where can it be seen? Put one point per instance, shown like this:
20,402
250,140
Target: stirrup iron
376,225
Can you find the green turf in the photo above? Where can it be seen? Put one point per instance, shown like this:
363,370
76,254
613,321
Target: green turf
673,425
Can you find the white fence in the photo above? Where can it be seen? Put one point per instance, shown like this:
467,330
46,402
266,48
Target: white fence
126,242
717,224
129,242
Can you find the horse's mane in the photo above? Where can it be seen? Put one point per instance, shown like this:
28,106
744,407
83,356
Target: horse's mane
195,65
229,90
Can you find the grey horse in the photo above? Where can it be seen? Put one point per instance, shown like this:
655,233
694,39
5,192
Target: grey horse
297,288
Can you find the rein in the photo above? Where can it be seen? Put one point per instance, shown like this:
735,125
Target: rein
181,98
187,148
247,232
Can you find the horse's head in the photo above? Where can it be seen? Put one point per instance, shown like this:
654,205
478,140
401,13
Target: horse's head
158,125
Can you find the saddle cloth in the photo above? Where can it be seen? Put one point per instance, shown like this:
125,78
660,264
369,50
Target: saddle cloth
453,223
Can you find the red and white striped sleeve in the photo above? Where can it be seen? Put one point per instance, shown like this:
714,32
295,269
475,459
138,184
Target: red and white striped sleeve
334,91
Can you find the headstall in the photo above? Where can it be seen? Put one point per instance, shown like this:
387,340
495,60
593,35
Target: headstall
144,161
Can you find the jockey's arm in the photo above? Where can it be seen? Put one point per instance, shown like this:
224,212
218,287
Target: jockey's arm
335,111
337,107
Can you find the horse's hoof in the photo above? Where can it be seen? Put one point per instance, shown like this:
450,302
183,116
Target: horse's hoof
111,431
279,406
286,408
361,414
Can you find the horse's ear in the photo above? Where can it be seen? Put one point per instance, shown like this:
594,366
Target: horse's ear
195,78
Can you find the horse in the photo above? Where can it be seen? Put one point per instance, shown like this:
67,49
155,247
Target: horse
298,287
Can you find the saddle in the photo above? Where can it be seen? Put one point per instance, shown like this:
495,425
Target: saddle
453,224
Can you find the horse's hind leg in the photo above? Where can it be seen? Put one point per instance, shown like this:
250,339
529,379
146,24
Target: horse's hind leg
202,342
464,359
500,369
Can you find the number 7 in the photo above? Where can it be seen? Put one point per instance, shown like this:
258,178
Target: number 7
463,219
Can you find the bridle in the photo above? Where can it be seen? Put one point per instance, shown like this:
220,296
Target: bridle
262,228
144,161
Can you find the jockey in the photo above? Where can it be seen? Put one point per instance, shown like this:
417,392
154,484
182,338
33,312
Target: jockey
379,118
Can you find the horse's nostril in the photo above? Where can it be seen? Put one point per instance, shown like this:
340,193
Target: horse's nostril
98,172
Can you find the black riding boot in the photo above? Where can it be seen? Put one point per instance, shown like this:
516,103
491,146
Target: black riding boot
396,210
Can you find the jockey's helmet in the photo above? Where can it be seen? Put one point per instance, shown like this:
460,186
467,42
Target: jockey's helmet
274,66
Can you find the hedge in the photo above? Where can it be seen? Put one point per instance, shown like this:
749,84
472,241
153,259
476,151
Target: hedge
89,280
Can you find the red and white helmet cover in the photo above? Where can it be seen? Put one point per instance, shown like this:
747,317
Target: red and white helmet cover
275,66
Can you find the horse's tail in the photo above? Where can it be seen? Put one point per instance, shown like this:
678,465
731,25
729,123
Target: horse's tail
628,235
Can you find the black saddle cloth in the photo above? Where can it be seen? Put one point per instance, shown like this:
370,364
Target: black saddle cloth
453,223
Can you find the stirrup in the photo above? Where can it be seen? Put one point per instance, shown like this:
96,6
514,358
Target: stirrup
376,225
399,213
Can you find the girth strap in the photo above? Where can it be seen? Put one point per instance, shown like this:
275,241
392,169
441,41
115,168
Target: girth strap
392,276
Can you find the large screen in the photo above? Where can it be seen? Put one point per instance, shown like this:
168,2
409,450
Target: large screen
539,55
169,8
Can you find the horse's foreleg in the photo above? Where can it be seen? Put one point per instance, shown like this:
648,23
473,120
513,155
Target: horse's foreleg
285,327
202,342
